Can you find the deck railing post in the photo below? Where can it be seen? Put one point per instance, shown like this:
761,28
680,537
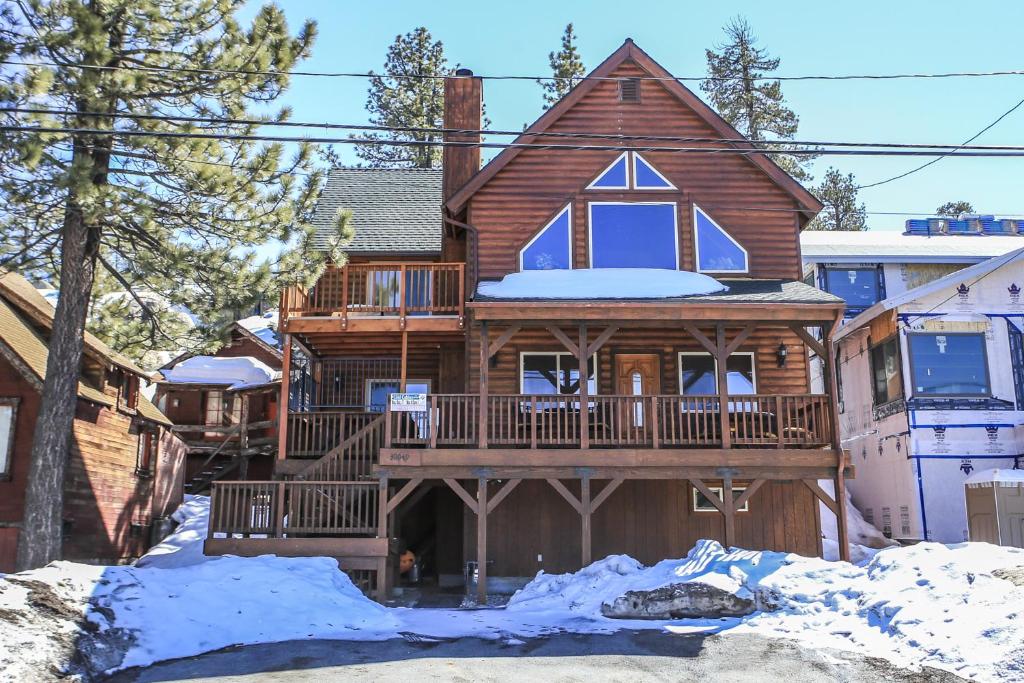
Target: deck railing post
779,423
401,293
432,421
387,425
654,422
584,371
344,292
279,510
484,364
462,290
533,422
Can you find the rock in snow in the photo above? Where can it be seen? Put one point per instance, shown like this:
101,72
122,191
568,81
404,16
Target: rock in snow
601,283
688,600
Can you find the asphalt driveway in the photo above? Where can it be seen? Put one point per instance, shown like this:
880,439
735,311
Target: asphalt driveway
628,656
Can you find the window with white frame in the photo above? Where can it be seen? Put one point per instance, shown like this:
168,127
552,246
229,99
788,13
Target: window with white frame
633,235
8,415
698,374
716,250
551,373
551,248
630,171
702,503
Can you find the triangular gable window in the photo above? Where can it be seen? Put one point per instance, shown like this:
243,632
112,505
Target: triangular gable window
614,177
646,177
717,251
550,248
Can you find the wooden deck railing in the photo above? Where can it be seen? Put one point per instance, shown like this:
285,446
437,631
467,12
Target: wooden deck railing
545,421
387,289
279,509
313,434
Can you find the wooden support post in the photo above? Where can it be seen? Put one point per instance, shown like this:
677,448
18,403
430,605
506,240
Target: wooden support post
404,376
282,398
243,436
485,362
584,392
837,443
722,374
585,511
729,512
481,541
384,564
279,511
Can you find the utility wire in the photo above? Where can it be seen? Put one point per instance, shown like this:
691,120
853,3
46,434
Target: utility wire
504,133
943,156
1008,153
497,77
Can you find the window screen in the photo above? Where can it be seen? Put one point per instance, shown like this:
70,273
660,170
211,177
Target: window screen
638,235
717,251
949,364
550,248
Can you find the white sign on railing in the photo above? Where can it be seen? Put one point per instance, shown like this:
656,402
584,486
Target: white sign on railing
408,403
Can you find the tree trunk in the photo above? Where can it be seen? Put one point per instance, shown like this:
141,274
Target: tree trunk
40,540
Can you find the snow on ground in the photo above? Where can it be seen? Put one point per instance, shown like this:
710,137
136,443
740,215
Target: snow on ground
929,604
601,283
237,371
865,539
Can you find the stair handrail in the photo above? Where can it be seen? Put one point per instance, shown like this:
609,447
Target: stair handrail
373,424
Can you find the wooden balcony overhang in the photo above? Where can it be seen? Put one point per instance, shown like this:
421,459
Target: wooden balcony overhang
336,324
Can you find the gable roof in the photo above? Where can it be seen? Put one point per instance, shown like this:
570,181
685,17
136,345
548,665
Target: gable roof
878,246
629,51
978,270
394,210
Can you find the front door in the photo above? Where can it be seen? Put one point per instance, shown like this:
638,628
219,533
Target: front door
637,374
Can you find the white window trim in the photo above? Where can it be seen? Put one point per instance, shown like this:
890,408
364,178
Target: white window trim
368,393
565,209
696,244
718,491
7,449
638,186
714,361
607,168
524,354
590,225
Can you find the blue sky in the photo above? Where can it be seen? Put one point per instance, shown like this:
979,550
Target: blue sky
810,37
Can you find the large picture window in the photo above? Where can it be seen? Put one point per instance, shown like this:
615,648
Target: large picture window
550,248
553,373
886,377
717,251
949,364
633,235
858,287
698,374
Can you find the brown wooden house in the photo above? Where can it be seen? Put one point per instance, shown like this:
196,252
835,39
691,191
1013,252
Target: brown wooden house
694,416
231,432
126,466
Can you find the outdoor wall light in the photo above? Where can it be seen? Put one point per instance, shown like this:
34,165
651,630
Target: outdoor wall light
780,354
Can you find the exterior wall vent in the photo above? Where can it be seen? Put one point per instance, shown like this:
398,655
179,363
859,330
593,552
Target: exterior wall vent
629,90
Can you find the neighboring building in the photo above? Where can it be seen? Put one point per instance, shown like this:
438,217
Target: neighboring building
931,390
125,471
477,295
225,406
867,266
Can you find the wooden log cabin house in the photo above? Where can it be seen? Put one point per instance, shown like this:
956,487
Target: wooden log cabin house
694,418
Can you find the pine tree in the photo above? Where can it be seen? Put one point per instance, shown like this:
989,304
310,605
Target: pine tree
158,214
838,193
408,102
954,209
566,68
739,93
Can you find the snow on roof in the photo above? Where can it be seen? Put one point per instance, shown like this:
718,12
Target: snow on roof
996,476
601,283
264,327
870,246
236,372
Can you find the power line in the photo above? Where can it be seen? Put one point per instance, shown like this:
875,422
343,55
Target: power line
501,77
1008,152
504,133
943,156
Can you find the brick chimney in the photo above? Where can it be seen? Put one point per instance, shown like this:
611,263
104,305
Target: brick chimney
463,101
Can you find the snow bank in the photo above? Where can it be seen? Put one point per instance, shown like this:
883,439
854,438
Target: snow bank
263,326
601,283
927,604
865,539
236,372
184,547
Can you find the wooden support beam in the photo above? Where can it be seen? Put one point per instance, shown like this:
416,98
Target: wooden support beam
809,340
601,339
404,376
243,435
485,363
567,494
722,375
416,496
584,388
502,494
564,339
829,359
481,541
585,511
282,398
502,339
740,338
605,492
709,494
708,345
752,488
383,580
403,492
841,522
820,494
462,493
729,512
